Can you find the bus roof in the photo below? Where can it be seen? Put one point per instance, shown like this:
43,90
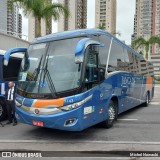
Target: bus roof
82,32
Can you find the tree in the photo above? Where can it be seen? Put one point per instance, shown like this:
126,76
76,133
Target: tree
116,33
146,43
42,9
101,26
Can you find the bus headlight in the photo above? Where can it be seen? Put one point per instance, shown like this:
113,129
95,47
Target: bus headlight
75,105
17,104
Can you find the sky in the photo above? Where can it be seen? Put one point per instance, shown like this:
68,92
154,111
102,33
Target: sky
125,19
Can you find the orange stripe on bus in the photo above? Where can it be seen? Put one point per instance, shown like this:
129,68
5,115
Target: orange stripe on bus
44,103
149,82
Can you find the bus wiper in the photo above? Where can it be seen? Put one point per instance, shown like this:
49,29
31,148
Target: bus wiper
37,70
35,74
47,76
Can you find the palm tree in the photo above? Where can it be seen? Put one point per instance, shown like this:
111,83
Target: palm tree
116,33
42,9
145,43
101,26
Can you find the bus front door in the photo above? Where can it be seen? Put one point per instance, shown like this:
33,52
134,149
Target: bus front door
10,64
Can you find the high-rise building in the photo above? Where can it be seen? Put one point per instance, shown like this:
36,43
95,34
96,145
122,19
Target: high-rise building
3,16
19,26
10,18
147,21
78,15
105,14
10,21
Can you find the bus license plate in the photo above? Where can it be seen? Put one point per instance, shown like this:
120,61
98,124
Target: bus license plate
38,123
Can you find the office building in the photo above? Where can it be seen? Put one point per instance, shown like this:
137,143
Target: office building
3,16
19,26
147,21
155,58
78,15
105,14
10,19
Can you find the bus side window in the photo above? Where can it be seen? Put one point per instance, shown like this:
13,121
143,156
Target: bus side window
91,72
116,59
103,55
126,60
136,65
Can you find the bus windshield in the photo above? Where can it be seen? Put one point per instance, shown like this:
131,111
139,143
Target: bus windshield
51,67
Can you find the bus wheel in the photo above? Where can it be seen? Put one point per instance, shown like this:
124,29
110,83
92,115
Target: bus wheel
111,115
147,100
3,112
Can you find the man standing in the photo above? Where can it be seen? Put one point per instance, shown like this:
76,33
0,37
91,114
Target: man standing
10,104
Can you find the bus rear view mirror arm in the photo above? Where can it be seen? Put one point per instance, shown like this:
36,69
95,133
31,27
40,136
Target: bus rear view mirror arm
81,47
12,51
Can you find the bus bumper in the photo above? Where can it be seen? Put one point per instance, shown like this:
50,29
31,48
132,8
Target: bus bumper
56,121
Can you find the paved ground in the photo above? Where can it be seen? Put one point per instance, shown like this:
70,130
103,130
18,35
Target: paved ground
137,129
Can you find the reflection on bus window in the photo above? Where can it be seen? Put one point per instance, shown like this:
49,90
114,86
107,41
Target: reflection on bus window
91,72
116,60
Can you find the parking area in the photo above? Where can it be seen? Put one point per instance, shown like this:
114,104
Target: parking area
136,129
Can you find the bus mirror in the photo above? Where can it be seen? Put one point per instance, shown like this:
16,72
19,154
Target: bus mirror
81,48
12,51
5,62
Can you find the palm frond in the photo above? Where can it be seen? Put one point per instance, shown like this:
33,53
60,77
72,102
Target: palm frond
139,42
154,40
101,26
55,10
116,33
42,9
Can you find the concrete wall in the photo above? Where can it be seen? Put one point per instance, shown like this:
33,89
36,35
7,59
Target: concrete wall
8,42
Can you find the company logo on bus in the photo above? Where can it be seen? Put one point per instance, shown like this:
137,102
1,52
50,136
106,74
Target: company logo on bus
128,80
36,111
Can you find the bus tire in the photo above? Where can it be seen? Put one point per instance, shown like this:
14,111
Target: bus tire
112,111
3,112
147,100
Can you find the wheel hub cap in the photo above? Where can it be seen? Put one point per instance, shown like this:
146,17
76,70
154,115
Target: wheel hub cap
111,113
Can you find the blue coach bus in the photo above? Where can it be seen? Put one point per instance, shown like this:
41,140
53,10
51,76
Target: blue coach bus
76,79
8,73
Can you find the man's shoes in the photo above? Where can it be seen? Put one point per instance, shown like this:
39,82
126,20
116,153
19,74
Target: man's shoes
1,124
8,122
15,123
